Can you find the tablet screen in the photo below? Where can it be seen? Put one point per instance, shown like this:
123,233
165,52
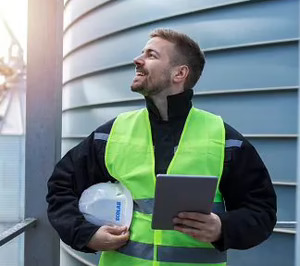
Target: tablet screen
178,193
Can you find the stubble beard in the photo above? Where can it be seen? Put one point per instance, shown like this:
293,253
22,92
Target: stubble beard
152,89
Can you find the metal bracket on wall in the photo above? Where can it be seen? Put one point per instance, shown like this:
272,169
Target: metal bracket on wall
288,227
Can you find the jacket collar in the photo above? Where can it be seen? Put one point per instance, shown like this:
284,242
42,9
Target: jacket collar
179,106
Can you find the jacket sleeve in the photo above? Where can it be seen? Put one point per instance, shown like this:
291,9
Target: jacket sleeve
249,197
76,171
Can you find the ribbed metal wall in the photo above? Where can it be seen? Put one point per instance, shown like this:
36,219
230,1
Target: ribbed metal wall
251,80
11,195
11,178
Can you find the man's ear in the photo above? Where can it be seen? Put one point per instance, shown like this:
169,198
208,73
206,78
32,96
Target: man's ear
181,73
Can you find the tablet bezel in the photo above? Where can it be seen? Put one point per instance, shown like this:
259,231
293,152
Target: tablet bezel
171,197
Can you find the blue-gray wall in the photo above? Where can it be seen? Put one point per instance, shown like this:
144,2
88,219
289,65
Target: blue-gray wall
11,195
251,80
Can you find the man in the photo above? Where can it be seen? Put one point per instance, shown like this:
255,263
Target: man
169,136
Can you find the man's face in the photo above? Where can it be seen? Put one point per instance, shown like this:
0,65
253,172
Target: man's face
153,68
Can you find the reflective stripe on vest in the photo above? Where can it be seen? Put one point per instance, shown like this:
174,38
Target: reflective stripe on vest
129,158
146,206
173,254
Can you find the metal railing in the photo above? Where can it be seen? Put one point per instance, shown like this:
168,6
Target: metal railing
21,227
16,230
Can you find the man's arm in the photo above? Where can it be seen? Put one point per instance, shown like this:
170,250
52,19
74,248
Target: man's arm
249,198
82,167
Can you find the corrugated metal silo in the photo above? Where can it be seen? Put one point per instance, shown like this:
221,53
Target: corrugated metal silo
251,80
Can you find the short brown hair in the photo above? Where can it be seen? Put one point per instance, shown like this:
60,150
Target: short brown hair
189,53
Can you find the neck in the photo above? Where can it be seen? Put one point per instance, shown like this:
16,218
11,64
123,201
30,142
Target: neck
161,102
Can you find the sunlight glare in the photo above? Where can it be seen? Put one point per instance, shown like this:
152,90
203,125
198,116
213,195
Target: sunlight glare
15,14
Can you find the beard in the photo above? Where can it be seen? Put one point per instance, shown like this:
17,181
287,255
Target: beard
148,86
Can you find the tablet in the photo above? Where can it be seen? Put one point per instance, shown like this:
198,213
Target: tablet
178,193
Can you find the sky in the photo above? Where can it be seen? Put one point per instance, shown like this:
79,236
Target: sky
15,14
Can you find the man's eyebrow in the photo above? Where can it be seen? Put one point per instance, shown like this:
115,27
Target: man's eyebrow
149,50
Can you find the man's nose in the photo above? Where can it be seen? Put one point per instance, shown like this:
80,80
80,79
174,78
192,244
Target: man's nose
138,61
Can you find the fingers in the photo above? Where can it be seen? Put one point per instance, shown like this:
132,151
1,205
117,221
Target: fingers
204,227
118,241
117,234
119,238
200,217
189,223
195,233
192,219
109,238
116,230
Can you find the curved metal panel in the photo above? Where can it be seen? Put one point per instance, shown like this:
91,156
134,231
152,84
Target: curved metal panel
77,8
262,113
101,88
268,113
278,250
250,21
76,258
256,67
276,153
84,121
286,202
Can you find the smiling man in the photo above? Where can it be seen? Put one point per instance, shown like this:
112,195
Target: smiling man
154,77
136,146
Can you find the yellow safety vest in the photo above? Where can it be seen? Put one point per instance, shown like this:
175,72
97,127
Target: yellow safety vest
129,158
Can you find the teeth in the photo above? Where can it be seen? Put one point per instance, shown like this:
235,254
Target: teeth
140,73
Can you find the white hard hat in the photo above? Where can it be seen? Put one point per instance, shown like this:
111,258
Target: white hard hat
107,204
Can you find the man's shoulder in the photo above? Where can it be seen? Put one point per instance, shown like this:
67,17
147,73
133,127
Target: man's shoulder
232,133
106,127
234,139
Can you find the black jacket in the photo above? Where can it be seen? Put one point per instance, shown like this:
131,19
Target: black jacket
245,185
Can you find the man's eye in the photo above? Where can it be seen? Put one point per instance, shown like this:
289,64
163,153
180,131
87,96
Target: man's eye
152,56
